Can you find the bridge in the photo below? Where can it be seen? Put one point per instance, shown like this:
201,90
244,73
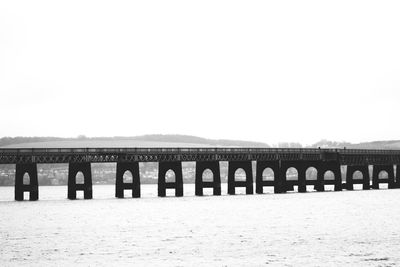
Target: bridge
277,159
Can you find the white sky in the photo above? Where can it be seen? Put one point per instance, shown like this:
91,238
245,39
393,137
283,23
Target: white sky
254,70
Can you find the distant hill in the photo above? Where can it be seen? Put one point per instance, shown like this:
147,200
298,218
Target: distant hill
394,144
391,144
136,141
158,140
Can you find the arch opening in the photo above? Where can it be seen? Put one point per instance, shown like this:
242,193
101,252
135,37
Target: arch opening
329,175
383,175
292,174
268,174
170,176
240,175
127,177
80,178
292,177
357,175
311,173
26,180
207,176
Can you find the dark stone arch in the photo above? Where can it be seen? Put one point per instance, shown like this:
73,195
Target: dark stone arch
232,184
350,181
120,185
163,185
213,166
32,187
334,167
73,169
377,169
301,167
290,182
316,182
261,166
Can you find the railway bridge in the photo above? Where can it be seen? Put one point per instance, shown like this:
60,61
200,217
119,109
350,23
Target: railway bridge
279,160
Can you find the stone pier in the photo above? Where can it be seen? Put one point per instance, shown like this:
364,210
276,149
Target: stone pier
32,187
86,187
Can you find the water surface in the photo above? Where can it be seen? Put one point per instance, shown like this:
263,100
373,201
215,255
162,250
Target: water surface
314,229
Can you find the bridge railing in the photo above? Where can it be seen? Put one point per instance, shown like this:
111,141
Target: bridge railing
136,150
158,150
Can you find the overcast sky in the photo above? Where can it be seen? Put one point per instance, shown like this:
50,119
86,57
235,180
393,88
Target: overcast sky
254,70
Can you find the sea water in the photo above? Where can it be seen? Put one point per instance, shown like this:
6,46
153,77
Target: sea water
293,229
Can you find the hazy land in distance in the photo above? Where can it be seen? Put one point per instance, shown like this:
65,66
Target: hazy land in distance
158,140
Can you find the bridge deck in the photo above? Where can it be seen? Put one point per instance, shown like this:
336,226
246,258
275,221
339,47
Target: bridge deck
66,155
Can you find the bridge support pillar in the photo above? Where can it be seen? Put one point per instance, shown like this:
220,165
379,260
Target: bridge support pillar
288,185
232,184
334,167
350,182
86,187
302,187
213,166
375,176
163,185
32,187
261,166
120,186
397,182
